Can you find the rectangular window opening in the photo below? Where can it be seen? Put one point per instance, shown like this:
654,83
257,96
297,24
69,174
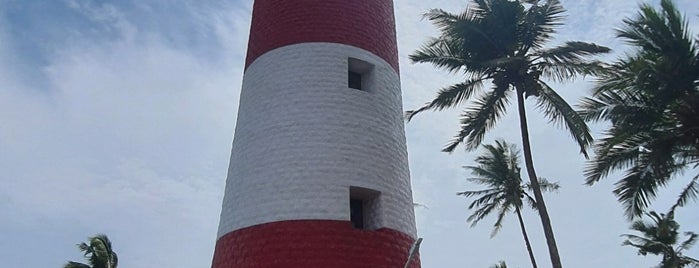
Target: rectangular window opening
355,80
357,213
359,74
364,208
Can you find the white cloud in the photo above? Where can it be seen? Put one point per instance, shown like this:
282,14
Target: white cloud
130,138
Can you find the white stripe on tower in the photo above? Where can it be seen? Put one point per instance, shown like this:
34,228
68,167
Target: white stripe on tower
303,138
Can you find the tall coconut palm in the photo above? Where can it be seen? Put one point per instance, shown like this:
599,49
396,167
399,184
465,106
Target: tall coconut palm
502,42
98,253
651,98
660,237
498,169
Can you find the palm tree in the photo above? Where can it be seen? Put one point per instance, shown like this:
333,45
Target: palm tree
660,237
98,253
498,169
651,98
501,41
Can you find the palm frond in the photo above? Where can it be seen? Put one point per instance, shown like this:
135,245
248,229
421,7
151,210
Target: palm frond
482,7
691,240
640,184
450,97
561,72
461,42
637,241
442,53
102,256
559,112
618,150
498,223
571,52
98,252
497,162
481,213
530,201
445,21
690,192
631,74
679,26
480,118
609,106
570,61
649,159
635,191
663,32
500,264
694,263
71,264
659,237
477,193
545,185
540,24
486,199
637,31
85,248
486,176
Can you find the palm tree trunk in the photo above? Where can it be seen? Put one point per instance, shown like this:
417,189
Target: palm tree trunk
540,205
526,237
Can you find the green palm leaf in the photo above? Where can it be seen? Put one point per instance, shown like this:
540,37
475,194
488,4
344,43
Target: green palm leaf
450,96
651,99
690,192
540,24
660,237
98,252
480,118
501,264
76,265
559,112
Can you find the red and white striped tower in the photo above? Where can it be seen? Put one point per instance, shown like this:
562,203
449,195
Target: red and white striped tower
318,174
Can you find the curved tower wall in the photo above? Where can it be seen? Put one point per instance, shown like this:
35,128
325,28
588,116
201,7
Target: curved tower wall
306,143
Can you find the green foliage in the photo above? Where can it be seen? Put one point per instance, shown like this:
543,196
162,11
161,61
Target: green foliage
660,237
498,169
651,99
98,253
502,42
500,264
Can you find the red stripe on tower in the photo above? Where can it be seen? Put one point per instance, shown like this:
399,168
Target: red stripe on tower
366,24
318,174
312,244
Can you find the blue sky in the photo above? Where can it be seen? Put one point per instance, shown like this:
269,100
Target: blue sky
117,117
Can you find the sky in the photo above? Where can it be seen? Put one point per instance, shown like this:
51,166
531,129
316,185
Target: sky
117,117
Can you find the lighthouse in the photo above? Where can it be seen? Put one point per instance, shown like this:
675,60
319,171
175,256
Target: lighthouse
318,174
